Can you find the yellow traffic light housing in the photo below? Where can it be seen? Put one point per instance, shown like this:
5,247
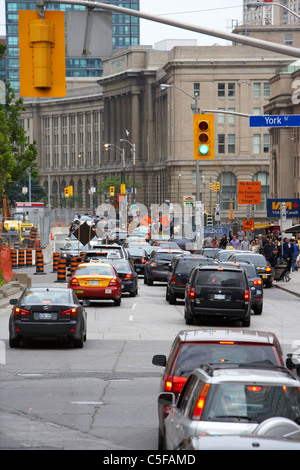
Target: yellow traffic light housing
70,190
203,136
123,189
42,54
111,191
67,191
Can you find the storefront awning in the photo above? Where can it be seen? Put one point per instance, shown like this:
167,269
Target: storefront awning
295,228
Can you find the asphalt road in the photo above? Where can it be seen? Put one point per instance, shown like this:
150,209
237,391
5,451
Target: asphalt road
103,397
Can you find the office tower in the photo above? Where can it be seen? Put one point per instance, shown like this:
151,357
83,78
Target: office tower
270,14
126,32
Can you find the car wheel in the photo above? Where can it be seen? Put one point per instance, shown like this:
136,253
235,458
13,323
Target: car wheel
172,298
246,321
14,342
117,302
258,309
189,320
269,283
78,343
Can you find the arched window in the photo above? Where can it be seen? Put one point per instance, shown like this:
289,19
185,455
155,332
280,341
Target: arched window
228,185
263,177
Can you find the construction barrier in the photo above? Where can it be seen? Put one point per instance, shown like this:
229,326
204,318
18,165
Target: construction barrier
39,262
61,271
28,257
5,263
32,237
14,259
56,257
74,263
21,258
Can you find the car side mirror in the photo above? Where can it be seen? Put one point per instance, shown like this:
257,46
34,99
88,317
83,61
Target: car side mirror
86,303
13,301
159,360
166,399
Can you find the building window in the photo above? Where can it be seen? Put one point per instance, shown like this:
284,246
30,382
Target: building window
221,90
266,90
231,143
263,177
266,143
231,90
229,187
256,90
196,89
221,116
231,117
256,143
221,143
288,39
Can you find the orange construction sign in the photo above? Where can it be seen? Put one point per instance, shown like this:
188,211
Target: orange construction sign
248,225
145,221
249,192
165,220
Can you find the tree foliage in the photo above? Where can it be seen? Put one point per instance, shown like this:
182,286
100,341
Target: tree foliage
17,154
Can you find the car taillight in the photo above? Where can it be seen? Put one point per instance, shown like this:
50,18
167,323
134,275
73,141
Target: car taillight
174,384
246,295
268,269
201,402
21,311
69,312
173,280
74,282
153,264
143,260
128,276
257,282
113,281
191,293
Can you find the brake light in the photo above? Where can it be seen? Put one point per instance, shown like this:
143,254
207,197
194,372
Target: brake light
69,312
21,311
74,282
226,342
153,264
128,276
173,280
253,388
246,295
257,282
174,384
113,281
191,293
201,402
143,260
268,269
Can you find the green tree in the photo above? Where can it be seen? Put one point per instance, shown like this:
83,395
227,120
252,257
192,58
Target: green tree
103,187
17,154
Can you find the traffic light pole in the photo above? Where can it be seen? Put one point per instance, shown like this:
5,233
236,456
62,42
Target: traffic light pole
236,38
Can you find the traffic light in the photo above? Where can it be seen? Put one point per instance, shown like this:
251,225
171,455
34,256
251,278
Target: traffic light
67,191
42,54
203,136
123,189
111,191
212,186
218,185
70,190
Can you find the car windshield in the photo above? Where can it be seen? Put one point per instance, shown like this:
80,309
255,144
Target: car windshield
94,270
253,402
47,297
168,245
136,251
74,245
192,356
219,278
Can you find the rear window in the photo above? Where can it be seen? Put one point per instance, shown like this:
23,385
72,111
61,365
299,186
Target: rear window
47,297
192,356
253,402
120,266
94,270
258,260
165,256
185,266
220,278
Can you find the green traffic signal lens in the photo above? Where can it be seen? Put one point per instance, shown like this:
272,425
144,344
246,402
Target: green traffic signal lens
203,149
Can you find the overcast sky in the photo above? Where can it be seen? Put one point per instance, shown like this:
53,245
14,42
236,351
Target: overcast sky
216,14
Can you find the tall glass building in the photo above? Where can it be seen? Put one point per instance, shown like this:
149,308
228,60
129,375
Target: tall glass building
126,32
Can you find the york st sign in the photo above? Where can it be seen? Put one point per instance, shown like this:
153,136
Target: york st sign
282,120
292,207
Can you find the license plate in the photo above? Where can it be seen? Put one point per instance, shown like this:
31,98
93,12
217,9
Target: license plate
107,291
219,296
264,276
93,283
45,316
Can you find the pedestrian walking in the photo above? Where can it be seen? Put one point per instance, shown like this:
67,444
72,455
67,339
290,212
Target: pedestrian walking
295,255
223,242
244,245
235,243
288,250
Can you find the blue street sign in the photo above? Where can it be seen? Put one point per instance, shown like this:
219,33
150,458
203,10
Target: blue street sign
275,121
292,207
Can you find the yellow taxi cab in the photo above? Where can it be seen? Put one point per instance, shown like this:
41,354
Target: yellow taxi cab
96,280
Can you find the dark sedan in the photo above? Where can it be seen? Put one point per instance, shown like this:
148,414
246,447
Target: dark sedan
47,312
126,273
138,256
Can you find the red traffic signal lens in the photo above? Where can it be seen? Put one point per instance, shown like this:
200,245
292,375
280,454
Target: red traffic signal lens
203,125
203,137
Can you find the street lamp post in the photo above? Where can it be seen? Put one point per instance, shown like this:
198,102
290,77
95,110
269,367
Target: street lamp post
133,166
122,152
263,4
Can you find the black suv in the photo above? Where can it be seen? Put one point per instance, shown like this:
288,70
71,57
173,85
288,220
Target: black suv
179,273
157,267
217,292
263,267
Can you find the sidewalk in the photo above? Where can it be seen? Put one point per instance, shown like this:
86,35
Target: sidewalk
292,286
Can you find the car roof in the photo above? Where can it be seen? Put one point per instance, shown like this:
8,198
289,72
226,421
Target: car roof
219,267
48,289
97,262
227,372
220,334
